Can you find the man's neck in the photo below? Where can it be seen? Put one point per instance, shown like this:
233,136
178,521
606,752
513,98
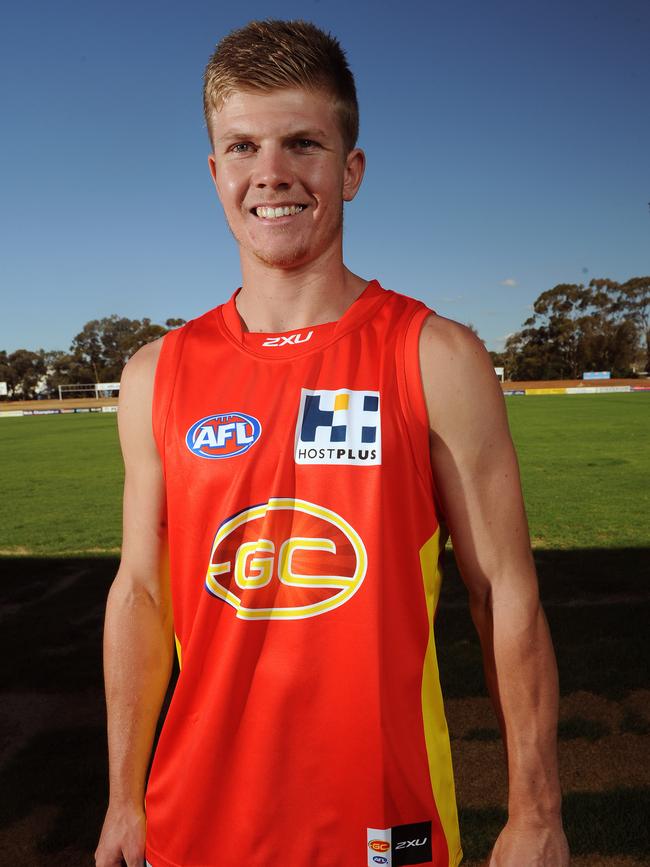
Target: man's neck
274,300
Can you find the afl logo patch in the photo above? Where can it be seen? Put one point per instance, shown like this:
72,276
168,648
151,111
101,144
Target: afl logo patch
224,435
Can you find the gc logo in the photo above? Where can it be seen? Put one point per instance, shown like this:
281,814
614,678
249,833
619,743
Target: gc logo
285,559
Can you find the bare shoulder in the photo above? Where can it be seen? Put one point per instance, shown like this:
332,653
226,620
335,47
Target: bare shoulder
457,373
453,350
140,369
136,393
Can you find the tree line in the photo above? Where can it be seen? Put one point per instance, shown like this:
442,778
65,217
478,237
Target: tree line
574,328
97,354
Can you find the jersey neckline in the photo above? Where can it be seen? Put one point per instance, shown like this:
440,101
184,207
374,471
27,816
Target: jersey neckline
284,345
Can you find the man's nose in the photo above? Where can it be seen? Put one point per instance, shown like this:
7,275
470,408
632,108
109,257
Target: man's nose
272,168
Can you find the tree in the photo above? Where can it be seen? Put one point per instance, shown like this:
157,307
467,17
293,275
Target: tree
5,370
23,371
631,302
98,354
577,328
62,368
104,346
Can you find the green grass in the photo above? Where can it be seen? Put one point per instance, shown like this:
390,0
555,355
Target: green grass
61,484
584,464
585,468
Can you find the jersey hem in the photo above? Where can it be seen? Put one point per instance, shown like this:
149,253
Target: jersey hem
159,861
156,860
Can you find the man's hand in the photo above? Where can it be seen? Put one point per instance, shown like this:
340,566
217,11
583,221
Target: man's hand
530,843
122,838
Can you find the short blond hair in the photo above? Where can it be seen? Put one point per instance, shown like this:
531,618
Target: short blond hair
273,54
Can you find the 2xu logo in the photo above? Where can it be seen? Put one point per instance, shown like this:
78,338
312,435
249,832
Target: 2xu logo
285,559
223,436
290,339
400,845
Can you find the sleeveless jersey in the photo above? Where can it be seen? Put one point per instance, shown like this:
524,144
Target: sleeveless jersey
306,728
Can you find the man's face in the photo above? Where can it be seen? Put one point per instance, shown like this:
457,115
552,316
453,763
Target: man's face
283,149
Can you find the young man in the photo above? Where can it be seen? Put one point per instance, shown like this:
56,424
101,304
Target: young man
308,436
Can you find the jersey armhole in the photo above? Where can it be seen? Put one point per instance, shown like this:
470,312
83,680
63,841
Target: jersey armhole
409,378
164,386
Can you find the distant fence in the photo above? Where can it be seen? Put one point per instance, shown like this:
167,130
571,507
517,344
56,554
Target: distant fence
13,413
598,389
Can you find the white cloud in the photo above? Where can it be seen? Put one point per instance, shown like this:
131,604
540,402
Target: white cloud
510,281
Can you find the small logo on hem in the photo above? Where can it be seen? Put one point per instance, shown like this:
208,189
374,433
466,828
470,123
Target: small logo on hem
400,845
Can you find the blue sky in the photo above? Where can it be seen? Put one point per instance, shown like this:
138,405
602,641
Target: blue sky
507,144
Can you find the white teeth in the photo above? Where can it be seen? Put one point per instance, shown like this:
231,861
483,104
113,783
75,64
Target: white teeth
286,211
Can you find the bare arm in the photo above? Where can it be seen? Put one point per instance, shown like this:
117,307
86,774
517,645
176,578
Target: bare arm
477,478
138,631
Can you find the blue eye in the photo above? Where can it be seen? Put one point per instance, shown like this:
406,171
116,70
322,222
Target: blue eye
240,147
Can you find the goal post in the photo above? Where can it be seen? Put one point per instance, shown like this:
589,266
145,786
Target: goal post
92,389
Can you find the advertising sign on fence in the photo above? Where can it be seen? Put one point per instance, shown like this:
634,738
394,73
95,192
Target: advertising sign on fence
597,374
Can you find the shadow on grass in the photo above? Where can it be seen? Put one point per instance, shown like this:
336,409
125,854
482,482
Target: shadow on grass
605,823
52,610
598,606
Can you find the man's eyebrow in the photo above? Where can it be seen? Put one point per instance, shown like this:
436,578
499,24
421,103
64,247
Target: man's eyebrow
244,135
234,135
307,133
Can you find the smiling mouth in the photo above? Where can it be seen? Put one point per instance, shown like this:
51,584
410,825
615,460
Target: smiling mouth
272,213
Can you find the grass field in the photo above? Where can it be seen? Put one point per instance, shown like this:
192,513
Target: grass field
585,468
585,472
584,463
61,484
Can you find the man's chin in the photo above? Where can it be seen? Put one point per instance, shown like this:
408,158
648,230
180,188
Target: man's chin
283,258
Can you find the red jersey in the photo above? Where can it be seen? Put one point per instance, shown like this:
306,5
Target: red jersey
307,726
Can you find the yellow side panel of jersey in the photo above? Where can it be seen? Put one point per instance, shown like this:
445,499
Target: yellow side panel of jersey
433,713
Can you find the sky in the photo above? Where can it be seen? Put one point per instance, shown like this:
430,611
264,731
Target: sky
508,148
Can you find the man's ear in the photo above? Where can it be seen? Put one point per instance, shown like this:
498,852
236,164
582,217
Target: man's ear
355,165
212,165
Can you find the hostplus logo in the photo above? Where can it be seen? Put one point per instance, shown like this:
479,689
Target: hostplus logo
341,426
